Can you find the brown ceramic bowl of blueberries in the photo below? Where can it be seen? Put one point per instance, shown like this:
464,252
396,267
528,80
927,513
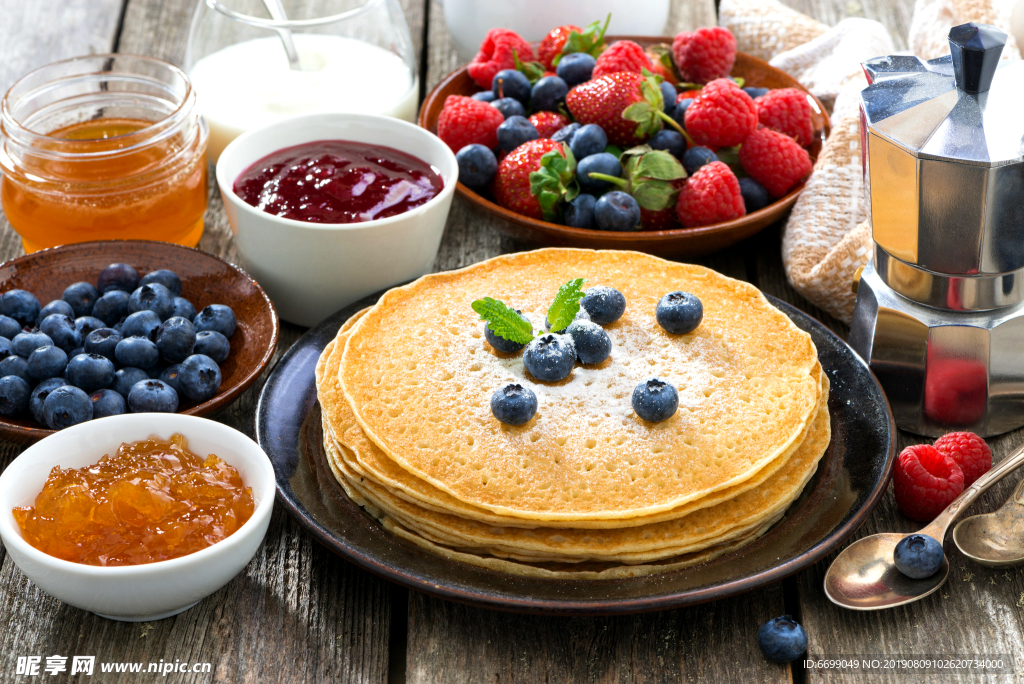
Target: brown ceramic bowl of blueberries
103,328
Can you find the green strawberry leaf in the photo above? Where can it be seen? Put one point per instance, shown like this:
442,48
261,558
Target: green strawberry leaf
729,155
590,41
613,150
659,165
554,181
654,195
648,112
740,81
648,176
503,321
534,71
566,305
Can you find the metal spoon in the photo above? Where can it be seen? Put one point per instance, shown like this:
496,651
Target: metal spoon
277,13
995,539
864,576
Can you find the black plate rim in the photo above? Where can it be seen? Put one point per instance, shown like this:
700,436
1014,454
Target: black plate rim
712,592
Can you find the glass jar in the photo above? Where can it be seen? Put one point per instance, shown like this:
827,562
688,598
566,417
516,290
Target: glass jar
103,147
353,56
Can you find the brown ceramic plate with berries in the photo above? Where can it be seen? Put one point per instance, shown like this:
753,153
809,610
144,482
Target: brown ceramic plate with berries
674,242
205,280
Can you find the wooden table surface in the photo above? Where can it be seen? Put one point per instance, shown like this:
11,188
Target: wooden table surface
300,614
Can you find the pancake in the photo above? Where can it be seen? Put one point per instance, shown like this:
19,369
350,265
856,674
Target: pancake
418,375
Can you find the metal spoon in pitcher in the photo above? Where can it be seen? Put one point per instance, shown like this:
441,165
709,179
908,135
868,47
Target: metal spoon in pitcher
277,13
995,539
864,576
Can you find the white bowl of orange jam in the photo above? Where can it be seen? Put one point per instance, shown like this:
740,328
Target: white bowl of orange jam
151,588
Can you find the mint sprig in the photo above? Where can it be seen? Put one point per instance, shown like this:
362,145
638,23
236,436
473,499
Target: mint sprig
566,305
503,321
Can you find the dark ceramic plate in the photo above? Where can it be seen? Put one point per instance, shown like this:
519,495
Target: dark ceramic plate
848,485
205,280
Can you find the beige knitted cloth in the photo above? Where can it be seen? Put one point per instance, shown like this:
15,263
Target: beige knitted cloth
827,237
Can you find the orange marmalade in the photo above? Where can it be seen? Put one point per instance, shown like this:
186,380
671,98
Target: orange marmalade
151,501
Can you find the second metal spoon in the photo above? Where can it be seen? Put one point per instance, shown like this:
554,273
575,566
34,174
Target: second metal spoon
994,539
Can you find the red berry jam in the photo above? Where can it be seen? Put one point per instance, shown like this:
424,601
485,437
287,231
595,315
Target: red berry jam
338,181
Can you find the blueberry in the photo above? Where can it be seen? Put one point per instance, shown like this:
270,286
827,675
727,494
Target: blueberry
500,343
199,377
25,343
174,339
111,307
9,327
679,312
696,157
593,345
668,96
575,68
588,141
548,93
86,324
141,324
15,365
138,352
20,305
39,394
604,304
46,362
168,279
75,352
106,402
755,92
511,83
5,348
126,378
477,166
102,342
515,131
156,371
122,277
212,344
66,406
672,142
565,133
57,306
14,395
580,212
152,396
90,372
655,400
617,211
184,308
217,317
604,163
755,196
782,640
581,315
550,357
152,297
483,96
61,330
82,297
171,374
918,556
679,112
514,404
509,107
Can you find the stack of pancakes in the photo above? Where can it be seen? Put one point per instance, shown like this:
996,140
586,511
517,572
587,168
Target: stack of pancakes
585,489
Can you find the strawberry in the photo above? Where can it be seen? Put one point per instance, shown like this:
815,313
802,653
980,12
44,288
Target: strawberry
622,55
627,106
500,50
566,39
464,121
549,123
551,47
661,63
658,220
535,178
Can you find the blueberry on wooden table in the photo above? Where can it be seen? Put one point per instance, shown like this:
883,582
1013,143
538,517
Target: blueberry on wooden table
782,639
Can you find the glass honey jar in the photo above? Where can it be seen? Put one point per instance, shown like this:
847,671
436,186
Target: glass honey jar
103,147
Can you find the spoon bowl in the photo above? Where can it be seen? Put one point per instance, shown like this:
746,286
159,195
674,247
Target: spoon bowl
995,539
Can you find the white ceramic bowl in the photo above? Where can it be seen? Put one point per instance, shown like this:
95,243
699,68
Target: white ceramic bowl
136,592
311,270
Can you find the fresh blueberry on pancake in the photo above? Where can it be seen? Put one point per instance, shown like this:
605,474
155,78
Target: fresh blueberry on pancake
655,400
550,357
514,404
604,304
591,341
679,312
499,342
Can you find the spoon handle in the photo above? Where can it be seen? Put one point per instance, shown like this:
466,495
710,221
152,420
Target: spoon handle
937,528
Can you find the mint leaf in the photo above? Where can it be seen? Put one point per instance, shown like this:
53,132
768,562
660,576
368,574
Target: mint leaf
503,321
566,304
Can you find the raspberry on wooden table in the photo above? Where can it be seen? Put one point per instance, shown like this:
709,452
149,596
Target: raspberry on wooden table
709,196
774,160
721,115
497,52
969,451
622,55
465,121
787,110
925,481
549,123
705,54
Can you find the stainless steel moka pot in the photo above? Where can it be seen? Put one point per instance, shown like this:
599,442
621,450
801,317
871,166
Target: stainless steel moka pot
940,309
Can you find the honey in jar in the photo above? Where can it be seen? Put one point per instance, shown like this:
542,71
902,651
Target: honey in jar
152,500
117,152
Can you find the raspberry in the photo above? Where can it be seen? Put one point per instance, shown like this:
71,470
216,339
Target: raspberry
549,123
622,55
464,121
553,43
925,481
704,55
787,110
722,115
498,52
969,451
774,160
709,196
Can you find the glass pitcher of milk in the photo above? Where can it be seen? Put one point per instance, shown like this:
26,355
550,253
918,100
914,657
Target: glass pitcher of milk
346,56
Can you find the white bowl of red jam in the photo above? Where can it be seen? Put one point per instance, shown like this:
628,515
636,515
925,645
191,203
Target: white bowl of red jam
146,515
329,208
